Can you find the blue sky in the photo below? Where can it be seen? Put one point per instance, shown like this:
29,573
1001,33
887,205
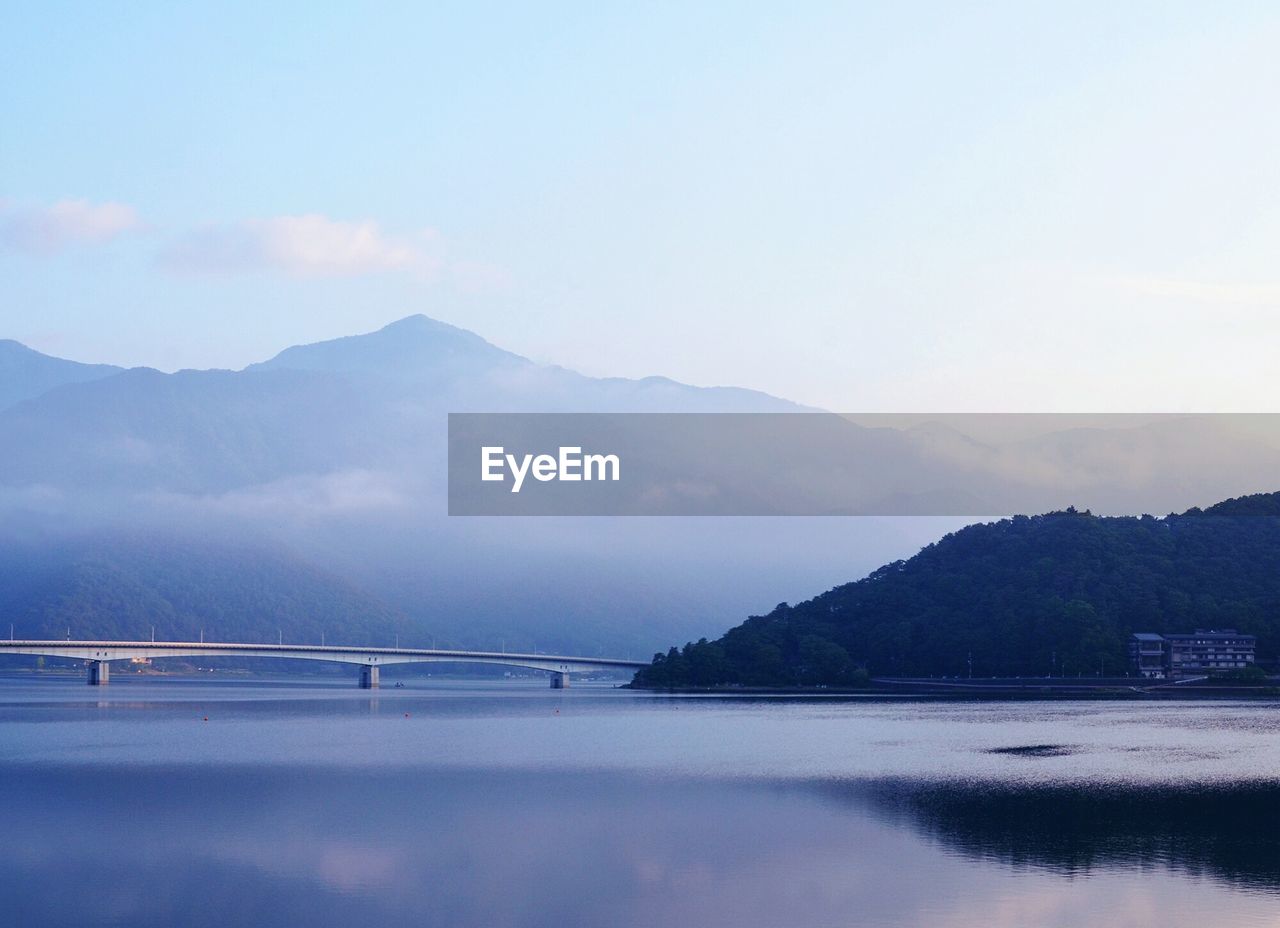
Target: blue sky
904,206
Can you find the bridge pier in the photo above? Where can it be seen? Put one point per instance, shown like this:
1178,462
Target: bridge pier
99,673
369,677
559,681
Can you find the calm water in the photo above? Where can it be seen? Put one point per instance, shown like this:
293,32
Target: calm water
513,804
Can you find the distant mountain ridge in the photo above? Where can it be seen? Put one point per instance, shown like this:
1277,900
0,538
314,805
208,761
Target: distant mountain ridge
475,375
26,373
363,401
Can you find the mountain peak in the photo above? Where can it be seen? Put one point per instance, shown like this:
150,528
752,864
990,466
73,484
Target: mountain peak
416,347
420,321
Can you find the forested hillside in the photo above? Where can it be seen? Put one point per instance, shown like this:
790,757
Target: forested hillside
115,588
1054,593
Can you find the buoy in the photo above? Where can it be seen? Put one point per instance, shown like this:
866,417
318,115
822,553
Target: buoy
206,718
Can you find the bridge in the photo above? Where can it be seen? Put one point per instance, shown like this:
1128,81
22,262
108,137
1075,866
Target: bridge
100,654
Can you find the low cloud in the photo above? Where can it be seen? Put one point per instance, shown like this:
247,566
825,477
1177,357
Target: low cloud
310,245
67,223
338,493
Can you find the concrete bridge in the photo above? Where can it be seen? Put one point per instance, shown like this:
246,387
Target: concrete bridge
100,654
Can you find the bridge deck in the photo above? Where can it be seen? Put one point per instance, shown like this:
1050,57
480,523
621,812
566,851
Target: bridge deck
101,653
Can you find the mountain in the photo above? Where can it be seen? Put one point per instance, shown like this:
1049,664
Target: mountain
191,431
457,369
377,402
1020,596
416,348
122,586
25,373
332,455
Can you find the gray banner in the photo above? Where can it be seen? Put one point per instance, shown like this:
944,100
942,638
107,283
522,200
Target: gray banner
806,464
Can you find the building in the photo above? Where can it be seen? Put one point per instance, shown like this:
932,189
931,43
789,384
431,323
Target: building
1147,653
1203,651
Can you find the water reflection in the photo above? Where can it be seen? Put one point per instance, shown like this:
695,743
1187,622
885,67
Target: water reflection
325,808
291,846
1229,832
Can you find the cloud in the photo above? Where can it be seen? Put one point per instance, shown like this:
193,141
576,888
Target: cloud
311,245
50,229
349,492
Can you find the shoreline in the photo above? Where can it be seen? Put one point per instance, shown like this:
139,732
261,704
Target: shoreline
996,690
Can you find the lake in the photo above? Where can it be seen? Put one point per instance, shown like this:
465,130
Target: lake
511,804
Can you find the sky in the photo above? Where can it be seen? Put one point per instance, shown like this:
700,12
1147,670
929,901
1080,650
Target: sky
899,207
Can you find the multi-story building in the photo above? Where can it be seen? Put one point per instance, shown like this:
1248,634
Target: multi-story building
1200,652
1147,654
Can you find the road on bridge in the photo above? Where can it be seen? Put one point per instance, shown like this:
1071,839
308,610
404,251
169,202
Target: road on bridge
100,654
